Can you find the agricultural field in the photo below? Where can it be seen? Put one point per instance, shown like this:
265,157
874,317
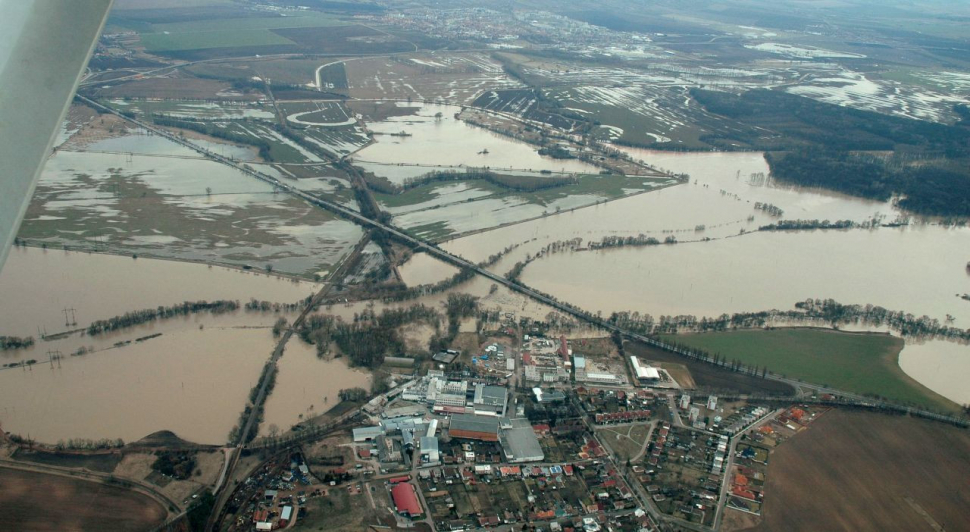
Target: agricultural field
196,110
38,501
176,87
153,186
230,32
444,210
707,376
855,362
338,510
284,71
864,471
344,39
455,78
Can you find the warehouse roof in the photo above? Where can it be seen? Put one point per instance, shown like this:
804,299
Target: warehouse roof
473,423
520,442
405,499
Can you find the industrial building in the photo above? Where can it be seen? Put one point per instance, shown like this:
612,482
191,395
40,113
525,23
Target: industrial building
644,373
367,434
406,500
429,451
550,395
472,427
490,400
519,442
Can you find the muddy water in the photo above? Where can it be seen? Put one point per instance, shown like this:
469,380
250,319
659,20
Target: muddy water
193,379
307,386
447,142
193,382
36,285
919,269
422,268
733,174
939,365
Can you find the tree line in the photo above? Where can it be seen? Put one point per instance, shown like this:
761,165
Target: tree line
15,342
821,311
138,317
818,145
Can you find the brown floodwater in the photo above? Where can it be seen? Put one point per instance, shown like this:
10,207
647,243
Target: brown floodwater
422,268
919,269
193,379
193,382
307,386
36,286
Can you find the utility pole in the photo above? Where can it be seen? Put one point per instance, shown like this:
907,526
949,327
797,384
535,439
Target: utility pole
69,321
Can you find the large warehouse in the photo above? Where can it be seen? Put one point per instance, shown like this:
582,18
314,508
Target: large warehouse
472,427
519,442
406,500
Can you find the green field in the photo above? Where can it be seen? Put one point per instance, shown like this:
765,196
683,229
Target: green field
856,362
227,33
172,42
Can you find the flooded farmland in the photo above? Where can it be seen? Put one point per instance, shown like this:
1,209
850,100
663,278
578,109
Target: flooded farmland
192,375
134,194
36,285
441,143
918,269
193,382
307,386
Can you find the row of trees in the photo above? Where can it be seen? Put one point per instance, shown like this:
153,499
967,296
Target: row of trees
807,225
254,305
458,307
15,342
825,312
138,317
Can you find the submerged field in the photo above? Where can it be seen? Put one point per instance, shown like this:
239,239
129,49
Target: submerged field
856,362
134,193
869,472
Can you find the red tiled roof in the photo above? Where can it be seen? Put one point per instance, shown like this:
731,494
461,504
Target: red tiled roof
406,500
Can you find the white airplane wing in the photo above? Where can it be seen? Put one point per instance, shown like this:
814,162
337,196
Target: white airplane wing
44,49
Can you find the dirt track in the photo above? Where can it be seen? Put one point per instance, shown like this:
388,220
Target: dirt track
41,502
864,471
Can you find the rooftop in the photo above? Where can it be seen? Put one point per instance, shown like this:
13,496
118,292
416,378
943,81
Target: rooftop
520,443
405,499
473,423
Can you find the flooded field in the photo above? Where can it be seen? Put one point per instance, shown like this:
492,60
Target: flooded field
422,268
36,285
918,269
193,382
133,194
940,366
769,270
442,142
307,386
193,378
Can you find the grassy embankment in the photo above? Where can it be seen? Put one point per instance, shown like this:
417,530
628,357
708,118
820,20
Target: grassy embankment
864,363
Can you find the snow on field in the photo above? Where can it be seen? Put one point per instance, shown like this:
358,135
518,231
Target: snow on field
427,63
853,89
954,81
801,52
